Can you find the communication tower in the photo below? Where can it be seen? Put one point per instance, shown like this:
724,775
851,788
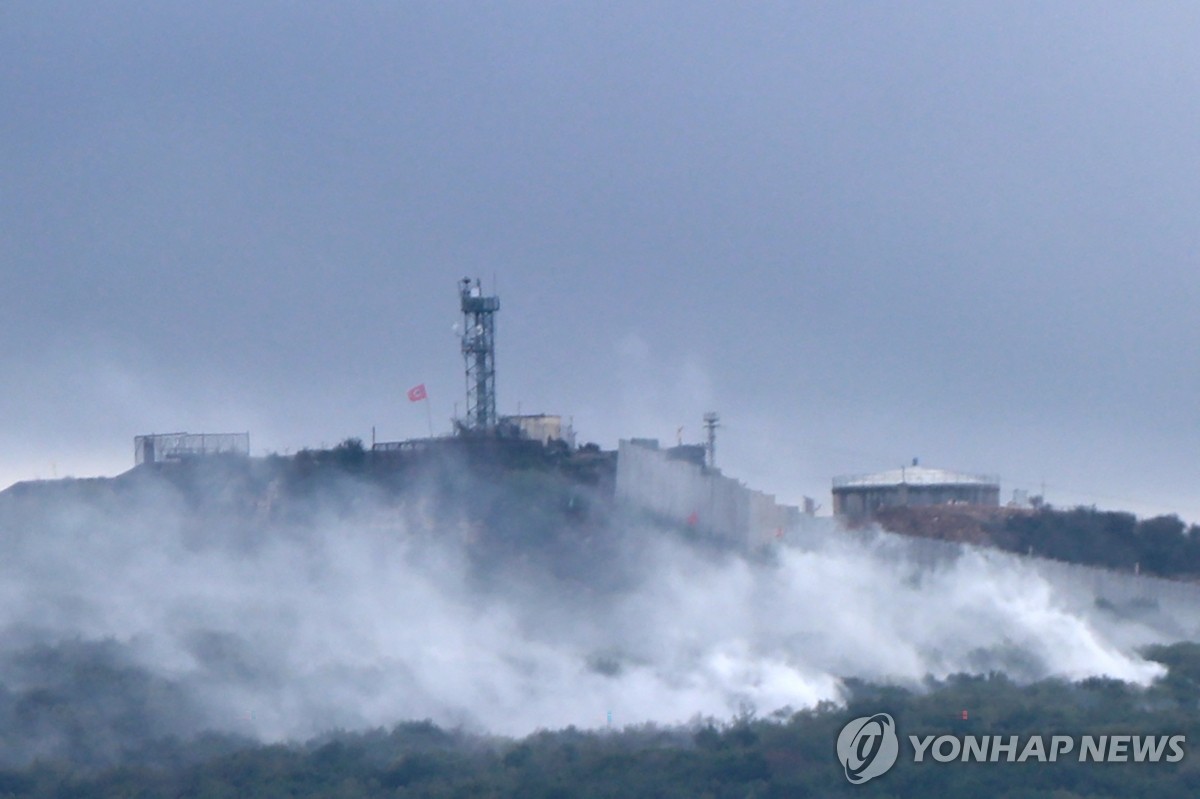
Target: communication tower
479,353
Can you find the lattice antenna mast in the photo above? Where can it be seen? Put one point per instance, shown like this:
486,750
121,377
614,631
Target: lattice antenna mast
711,423
479,353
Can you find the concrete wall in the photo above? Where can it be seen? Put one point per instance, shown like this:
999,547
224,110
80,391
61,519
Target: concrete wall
1170,606
726,509
687,493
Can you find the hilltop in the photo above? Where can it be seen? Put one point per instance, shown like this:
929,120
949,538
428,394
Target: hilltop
1162,546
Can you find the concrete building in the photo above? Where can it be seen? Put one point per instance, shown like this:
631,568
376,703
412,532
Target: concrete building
860,496
543,427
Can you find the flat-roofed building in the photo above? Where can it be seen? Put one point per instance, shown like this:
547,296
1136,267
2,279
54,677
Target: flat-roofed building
860,496
543,427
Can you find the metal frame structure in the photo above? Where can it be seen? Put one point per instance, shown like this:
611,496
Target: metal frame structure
479,353
160,447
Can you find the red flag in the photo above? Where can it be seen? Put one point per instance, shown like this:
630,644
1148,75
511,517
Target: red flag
417,393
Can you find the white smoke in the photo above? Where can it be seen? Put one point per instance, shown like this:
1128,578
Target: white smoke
380,615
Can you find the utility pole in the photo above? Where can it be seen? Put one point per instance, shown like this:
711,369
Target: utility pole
711,423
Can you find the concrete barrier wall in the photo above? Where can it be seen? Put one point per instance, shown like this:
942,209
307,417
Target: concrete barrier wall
1172,606
719,506
687,493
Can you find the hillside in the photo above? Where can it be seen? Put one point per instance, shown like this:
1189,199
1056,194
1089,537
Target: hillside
1163,545
177,629
789,754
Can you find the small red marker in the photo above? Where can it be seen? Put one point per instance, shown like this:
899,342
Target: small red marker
964,715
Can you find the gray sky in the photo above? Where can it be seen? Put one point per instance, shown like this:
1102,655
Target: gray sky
861,232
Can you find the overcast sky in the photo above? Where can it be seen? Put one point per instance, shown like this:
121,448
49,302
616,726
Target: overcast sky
862,232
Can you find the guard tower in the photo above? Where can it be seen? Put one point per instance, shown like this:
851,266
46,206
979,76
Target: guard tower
479,352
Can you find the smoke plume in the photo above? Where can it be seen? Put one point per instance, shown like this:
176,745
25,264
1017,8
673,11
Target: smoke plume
140,612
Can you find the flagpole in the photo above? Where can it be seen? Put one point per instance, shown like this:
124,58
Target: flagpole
428,415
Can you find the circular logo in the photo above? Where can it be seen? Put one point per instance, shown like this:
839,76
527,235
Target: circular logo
868,747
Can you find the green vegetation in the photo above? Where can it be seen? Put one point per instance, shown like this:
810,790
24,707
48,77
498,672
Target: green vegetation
1162,545
785,755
